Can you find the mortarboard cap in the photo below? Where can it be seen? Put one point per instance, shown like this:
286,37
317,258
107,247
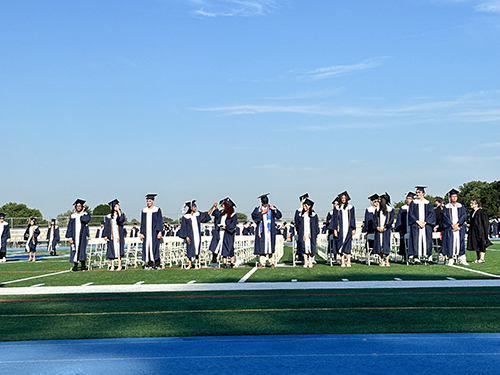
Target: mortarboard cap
81,201
264,198
421,188
410,194
346,195
337,199
303,197
452,192
151,196
2,214
229,202
113,203
373,197
309,202
386,196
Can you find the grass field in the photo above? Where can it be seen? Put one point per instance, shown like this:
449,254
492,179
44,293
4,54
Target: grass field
242,313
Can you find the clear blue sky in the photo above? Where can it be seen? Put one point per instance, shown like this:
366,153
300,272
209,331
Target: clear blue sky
201,99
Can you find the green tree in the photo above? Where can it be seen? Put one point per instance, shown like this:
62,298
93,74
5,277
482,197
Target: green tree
241,217
19,214
99,213
63,218
489,193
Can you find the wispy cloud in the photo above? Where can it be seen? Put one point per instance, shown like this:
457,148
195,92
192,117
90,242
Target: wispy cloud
489,6
310,94
463,159
233,8
331,71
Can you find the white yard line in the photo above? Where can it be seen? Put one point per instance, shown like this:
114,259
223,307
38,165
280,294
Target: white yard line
248,274
476,271
34,277
199,287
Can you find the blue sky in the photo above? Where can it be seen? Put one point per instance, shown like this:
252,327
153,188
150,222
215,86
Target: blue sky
201,99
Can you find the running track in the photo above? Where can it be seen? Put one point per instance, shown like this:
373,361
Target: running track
437,354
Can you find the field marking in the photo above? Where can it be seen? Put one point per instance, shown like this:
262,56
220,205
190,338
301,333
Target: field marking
247,275
218,311
34,277
476,271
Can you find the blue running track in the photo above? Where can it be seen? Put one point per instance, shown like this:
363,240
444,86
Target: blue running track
401,354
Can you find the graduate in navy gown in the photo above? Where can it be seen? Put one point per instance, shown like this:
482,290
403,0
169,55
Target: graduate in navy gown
383,219
454,229
134,232
227,231
114,235
151,233
332,240
265,217
191,231
307,225
217,214
368,225
402,226
344,227
52,237
78,233
421,219
31,236
100,231
4,237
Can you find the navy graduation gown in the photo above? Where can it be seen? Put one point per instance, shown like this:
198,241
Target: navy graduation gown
217,214
402,221
111,251
313,232
448,232
344,242
430,220
260,238
382,243
52,245
228,236
368,224
78,251
33,241
4,237
332,240
187,230
150,230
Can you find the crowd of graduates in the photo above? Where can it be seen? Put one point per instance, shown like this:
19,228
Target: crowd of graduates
416,222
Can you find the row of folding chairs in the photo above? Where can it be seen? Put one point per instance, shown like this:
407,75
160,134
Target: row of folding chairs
173,252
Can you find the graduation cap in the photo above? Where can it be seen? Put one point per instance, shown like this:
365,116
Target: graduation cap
374,197
222,200
337,199
151,196
421,188
52,220
303,197
386,196
81,201
346,195
113,203
2,215
33,218
410,194
309,202
229,202
453,192
102,222
263,198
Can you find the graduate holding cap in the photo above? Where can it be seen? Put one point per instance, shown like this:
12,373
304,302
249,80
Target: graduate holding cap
383,219
332,241
4,237
217,214
265,217
227,230
31,236
454,229
307,225
421,218
191,230
114,235
151,233
52,237
368,223
78,233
